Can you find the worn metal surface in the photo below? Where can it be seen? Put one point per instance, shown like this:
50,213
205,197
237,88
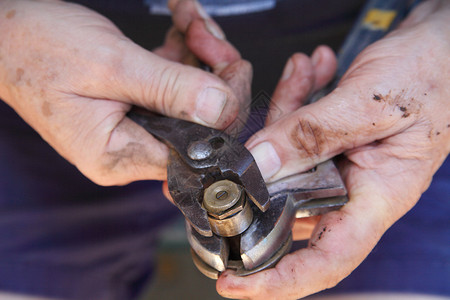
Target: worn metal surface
229,212
200,150
319,188
187,177
315,192
267,232
234,224
237,266
211,176
241,270
214,250
220,197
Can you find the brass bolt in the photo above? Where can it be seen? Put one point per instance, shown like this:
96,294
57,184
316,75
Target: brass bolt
229,212
222,196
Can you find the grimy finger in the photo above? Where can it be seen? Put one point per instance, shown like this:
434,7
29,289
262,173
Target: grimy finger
185,11
175,49
106,146
325,64
301,77
340,242
384,182
347,118
210,48
293,88
226,62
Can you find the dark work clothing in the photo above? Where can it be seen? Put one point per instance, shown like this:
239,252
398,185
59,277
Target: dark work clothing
63,236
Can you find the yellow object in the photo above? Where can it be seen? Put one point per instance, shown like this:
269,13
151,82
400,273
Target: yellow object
378,19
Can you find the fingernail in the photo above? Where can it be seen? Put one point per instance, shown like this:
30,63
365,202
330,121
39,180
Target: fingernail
201,11
267,159
214,30
288,70
315,58
210,104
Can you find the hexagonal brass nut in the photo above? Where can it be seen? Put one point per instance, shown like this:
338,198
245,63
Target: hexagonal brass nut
239,206
220,207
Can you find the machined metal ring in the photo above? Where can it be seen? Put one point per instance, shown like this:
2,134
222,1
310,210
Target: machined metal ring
234,225
229,211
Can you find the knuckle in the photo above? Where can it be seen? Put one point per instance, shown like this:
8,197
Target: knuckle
238,76
164,89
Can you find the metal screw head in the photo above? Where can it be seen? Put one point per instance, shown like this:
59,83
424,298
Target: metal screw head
199,150
221,196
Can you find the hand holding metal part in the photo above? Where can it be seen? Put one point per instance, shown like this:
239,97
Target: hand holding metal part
233,219
200,156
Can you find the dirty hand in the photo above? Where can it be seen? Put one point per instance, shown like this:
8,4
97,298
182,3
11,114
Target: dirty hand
389,117
73,76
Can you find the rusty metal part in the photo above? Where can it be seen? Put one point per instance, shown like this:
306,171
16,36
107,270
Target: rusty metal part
198,157
211,176
315,192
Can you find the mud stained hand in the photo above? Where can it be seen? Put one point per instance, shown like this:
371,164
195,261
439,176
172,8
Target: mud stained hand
73,76
387,120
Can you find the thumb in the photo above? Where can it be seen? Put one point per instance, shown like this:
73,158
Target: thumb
144,79
345,119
